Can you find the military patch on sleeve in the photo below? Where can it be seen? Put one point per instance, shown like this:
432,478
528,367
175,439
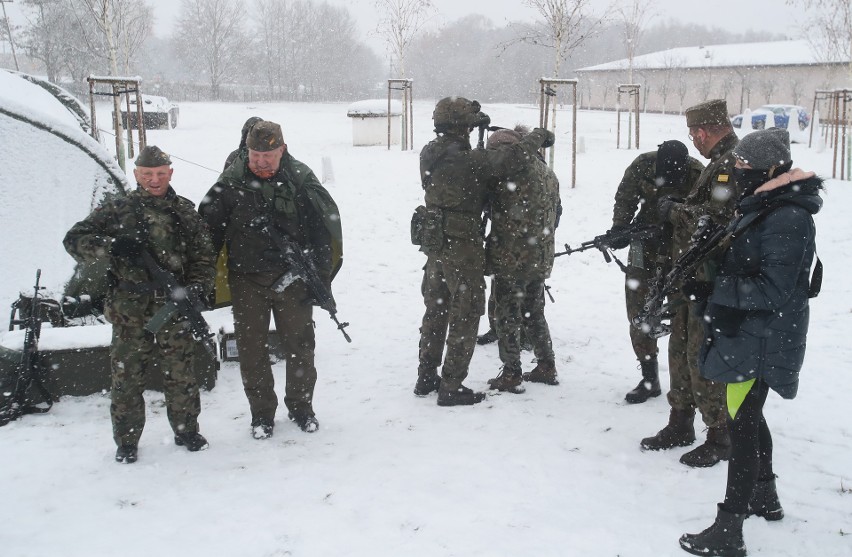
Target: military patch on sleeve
722,178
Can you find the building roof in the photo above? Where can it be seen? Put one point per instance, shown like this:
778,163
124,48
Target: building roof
775,53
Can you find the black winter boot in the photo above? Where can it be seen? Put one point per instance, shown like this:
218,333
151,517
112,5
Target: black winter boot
126,454
716,448
510,380
192,441
543,372
462,396
427,382
678,433
487,338
649,386
764,501
723,539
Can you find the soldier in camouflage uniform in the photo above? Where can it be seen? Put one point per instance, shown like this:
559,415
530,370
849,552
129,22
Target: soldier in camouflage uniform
267,181
455,178
519,253
667,171
715,194
153,218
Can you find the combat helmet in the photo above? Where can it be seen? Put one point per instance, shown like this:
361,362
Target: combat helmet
455,113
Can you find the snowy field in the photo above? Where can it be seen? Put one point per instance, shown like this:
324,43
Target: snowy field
556,471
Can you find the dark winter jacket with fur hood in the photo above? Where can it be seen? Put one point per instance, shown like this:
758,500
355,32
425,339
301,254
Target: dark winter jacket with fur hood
756,320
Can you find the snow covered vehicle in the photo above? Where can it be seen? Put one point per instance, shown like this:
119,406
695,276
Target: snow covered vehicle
157,113
53,174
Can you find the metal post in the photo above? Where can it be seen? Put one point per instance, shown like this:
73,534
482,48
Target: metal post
9,31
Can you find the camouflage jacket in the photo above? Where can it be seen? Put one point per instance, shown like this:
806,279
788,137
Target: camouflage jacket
172,231
456,180
639,189
714,194
523,222
295,202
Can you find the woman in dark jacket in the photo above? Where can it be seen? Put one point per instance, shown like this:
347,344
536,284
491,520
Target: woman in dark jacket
756,325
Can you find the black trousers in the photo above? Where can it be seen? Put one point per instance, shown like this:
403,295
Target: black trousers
751,449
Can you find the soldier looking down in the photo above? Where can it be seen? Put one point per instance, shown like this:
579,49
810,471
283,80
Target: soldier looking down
668,171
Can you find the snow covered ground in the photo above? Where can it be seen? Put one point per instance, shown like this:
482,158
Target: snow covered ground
556,471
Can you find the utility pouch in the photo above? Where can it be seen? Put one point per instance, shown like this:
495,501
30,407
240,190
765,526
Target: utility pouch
426,229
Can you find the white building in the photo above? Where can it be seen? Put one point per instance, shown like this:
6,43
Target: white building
746,75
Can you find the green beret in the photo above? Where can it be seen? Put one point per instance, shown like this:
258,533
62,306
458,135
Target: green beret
707,113
151,156
265,136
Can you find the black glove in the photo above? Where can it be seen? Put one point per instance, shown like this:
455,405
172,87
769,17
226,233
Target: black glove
665,205
697,290
620,242
549,138
126,246
481,120
725,320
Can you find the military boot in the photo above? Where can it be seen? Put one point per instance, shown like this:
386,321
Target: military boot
678,433
126,454
543,372
716,448
428,381
764,501
510,380
461,396
649,386
723,539
192,441
487,338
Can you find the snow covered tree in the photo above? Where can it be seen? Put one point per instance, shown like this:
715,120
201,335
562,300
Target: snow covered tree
210,38
830,29
123,25
565,25
399,22
633,15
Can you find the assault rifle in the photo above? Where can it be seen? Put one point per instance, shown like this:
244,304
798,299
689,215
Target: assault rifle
181,301
707,239
15,404
605,241
301,268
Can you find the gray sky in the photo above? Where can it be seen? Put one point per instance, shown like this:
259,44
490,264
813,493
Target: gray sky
734,15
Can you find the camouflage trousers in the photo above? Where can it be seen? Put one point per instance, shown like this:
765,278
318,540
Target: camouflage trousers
292,311
134,354
519,304
454,296
636,289
688,390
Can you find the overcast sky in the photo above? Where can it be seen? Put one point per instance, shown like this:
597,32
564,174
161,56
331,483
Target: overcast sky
734,15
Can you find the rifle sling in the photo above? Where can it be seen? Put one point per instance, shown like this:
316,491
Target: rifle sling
163,316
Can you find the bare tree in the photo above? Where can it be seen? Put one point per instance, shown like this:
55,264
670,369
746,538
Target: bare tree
44,35
832,28
272,18
399,22
633,15
565,26
767,86
122,27
210,34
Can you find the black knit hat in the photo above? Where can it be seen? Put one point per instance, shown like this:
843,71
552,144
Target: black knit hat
763,149
672,163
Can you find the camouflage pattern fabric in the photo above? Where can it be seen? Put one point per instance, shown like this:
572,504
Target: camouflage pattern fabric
715,194
516,298
175,235
638,189
456,179
519,252
687,389
133,355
